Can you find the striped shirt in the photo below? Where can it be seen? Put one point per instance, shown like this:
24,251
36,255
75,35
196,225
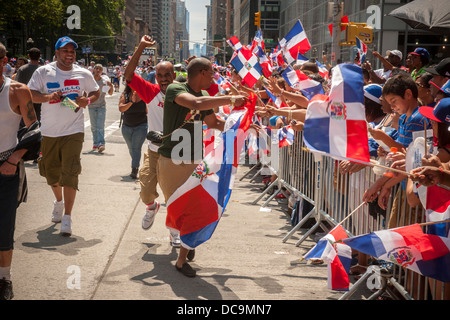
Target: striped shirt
406,127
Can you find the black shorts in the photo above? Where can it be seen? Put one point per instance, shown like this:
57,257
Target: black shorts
9,189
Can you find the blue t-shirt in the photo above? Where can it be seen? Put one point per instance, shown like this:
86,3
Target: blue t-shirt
406,127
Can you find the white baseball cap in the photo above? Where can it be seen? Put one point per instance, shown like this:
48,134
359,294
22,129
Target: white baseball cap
397,53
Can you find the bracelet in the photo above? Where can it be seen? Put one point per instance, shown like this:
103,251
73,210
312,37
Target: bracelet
15,165
89,101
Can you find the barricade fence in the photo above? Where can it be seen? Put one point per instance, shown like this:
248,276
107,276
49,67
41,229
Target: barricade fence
333,195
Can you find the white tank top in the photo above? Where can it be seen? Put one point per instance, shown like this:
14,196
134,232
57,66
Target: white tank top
9,120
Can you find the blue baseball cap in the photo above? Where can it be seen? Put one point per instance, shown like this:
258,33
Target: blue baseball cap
421,52
440,112
373,92
64,41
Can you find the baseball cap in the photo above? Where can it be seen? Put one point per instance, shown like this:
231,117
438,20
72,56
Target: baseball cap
421,52
397,53
445,88
441,69
373,92
63,41
440,113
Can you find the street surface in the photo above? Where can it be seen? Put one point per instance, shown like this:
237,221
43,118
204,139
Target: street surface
109,255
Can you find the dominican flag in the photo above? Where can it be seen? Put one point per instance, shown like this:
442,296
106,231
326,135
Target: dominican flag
323,71
295,42
336,124
409,247
362,50
234,43
277,56
337,255
298,80
247,66
285,136
264,61
436,201
277,101
196,207
258,42
301,59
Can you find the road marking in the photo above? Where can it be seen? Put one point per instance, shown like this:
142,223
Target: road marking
108,130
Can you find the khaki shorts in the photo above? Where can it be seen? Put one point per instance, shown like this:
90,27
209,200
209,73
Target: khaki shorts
148,177
61,159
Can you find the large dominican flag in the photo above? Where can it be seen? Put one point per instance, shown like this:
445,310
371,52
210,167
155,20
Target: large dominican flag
247,66
295,42
408,247
336,124
196,207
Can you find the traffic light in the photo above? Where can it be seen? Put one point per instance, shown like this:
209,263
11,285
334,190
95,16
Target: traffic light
258,19
360,30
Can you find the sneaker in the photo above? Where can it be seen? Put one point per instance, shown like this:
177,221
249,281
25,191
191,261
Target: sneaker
58,209
6,291
94,148
175,239
149,217
66,225
101,149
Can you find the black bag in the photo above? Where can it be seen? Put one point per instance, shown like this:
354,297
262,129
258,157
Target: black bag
155,137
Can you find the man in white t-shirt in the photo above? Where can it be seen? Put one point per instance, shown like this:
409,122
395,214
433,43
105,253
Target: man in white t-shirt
153,95
62,124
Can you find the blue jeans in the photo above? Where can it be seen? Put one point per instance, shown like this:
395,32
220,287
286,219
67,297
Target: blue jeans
135,137
97,116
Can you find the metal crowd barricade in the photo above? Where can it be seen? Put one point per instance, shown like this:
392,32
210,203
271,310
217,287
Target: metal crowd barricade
334,196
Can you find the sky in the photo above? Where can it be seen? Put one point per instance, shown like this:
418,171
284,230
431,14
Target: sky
197,13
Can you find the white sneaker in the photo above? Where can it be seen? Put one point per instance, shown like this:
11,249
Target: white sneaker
66,225
149,217
58,209
175,239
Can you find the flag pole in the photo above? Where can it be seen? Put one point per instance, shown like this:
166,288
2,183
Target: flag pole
351,213
425,132
369,164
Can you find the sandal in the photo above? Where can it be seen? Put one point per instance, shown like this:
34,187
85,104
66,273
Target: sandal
357,270
187,270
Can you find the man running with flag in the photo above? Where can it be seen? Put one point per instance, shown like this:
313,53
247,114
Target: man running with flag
185,109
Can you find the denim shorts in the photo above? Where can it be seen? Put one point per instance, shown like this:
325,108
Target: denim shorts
9,189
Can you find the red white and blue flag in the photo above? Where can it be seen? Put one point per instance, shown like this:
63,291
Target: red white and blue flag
298,80
323,71
234,43
337,255
336,124
258,42
436,201
196,207
301,59
276,100
247,66
295,42
264,61
409,247
362,50
286,136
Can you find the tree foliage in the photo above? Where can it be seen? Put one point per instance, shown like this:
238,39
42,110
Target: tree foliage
46,21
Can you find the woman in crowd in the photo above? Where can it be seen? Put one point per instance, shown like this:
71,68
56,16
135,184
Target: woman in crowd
134,126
